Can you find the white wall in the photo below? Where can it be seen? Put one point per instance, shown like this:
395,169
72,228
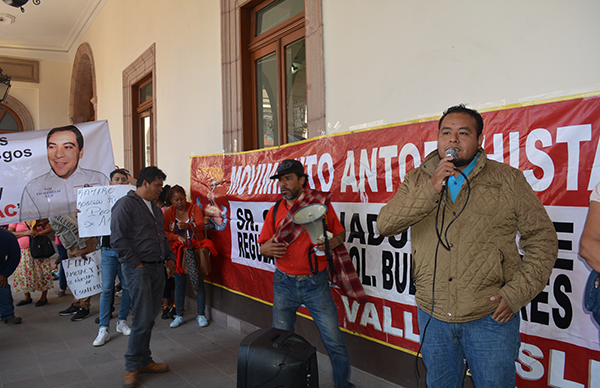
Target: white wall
48,100
188,75
396,60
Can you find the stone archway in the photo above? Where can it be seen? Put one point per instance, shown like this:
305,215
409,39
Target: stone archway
82,104
21,111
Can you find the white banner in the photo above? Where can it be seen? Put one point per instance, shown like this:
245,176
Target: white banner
245,231
42,170
83,275
94,205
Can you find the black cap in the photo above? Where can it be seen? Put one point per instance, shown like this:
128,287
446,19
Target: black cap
289,166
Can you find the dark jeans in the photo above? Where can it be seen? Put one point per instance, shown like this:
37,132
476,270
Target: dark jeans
7,308
180,284
62,279
169,286
489,347
146,285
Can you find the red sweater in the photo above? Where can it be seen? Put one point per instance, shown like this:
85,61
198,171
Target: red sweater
195,216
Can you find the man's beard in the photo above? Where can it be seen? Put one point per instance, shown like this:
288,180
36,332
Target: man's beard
291,194
462,162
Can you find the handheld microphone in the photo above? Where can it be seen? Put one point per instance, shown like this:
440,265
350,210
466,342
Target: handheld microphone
453,152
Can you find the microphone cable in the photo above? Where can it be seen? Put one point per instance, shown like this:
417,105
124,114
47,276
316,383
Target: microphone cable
445,191
461,210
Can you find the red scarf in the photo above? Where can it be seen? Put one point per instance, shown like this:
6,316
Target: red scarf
178,248
345,277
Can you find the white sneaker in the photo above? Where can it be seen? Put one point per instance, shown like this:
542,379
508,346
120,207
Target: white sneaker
122,327
178,321
103,336
202,321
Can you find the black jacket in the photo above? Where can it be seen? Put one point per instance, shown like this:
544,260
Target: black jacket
136,234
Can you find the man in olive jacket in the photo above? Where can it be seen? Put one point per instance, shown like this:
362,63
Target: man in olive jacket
470,282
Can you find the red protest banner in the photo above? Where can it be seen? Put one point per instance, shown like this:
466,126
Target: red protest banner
555,144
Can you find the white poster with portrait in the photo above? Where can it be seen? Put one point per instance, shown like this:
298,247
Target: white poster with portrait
42,170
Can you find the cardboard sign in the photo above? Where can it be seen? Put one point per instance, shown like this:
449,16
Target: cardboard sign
94,204
83,275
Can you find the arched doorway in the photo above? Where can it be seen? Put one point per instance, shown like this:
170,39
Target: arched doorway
82,107
14,116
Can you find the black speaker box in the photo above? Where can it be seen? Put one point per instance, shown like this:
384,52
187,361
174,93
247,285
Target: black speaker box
274,358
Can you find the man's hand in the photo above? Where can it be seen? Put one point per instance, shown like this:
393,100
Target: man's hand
334,242
3,281
181,239
170,268
503,313
273,249
83,252
444,169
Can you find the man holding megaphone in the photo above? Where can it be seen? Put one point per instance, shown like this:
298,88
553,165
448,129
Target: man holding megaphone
301,277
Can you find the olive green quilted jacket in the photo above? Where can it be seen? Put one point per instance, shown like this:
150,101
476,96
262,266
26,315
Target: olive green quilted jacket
483,259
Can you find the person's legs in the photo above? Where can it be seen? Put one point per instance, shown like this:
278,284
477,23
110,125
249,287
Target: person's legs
71,253
180,285
146,285
442,354
109,266
7,308
125,301
316,296
491,349
285,301
167,297
201,297
62,279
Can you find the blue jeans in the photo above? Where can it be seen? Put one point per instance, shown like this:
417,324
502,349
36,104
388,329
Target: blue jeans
62,279
489,347
146,286
314,293
180,285
7,308
111,268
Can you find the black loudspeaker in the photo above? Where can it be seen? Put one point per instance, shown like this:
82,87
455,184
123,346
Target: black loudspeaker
274,358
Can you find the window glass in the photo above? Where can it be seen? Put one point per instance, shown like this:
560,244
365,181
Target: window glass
146,92
266,100
8,122
295,66
277,13
146,139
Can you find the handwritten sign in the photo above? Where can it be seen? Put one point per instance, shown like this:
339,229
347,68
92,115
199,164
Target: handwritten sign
83,275
94,204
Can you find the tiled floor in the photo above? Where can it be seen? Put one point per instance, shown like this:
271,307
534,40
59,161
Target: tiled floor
48,350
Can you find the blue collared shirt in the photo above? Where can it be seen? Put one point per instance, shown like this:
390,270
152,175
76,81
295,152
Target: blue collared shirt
455,184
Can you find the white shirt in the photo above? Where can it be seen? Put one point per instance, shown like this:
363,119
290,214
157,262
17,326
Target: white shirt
50,195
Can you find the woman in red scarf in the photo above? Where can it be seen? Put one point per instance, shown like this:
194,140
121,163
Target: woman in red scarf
184,223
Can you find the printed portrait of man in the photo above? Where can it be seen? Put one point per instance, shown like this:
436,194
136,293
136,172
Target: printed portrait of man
55,192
